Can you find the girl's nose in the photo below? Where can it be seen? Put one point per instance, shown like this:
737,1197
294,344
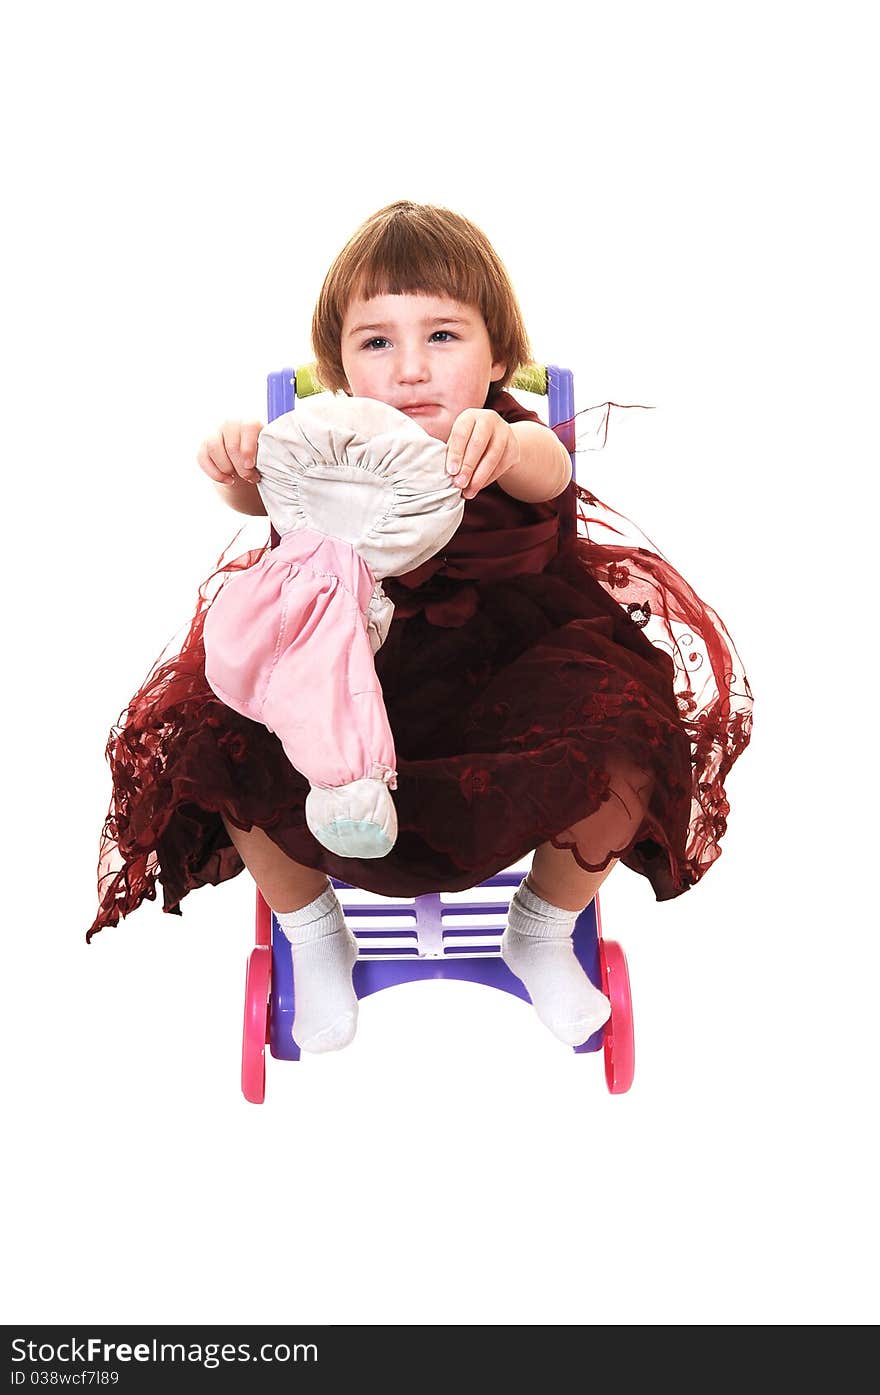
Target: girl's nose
412,365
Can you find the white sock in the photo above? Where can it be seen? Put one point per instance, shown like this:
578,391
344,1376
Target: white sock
536,946
324,952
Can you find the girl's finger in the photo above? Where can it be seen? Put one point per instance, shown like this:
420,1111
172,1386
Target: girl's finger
478,446
211,467
457,446
250,432
473,458
483,468
478,480
240,444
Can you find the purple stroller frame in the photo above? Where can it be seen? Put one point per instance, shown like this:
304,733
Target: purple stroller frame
438,935
436,939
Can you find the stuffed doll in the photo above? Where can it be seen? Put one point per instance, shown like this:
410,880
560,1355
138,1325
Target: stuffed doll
356,491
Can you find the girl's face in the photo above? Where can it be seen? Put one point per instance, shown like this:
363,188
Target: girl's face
426,355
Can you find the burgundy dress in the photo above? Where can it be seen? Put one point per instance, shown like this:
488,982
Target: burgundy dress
542,683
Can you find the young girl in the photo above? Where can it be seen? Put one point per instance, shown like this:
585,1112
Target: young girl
551,690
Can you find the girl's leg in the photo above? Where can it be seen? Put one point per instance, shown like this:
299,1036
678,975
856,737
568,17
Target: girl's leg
557,878
537,947
537,942
323,948
286,885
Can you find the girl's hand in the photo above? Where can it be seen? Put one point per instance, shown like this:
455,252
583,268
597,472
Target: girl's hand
232,454
481,448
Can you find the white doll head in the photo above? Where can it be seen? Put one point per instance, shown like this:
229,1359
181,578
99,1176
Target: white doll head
356,469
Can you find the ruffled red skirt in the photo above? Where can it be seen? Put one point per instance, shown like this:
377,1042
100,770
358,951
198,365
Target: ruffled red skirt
597,704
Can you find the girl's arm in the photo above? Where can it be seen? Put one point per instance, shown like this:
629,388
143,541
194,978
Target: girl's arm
242,496
230,460
544,467
525,457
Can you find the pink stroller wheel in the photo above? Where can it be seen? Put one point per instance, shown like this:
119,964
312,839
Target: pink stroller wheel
256,1018
620,1051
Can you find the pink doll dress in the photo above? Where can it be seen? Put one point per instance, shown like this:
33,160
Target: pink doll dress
354,489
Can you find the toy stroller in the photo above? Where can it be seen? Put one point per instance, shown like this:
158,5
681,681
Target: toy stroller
437,935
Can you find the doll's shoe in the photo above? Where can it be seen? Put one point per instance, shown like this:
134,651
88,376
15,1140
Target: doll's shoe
354,820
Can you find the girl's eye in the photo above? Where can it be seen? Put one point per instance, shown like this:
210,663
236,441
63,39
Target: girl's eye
443,336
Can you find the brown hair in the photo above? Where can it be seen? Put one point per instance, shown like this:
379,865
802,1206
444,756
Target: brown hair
417,248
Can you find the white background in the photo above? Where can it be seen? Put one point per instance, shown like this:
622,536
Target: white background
682,195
